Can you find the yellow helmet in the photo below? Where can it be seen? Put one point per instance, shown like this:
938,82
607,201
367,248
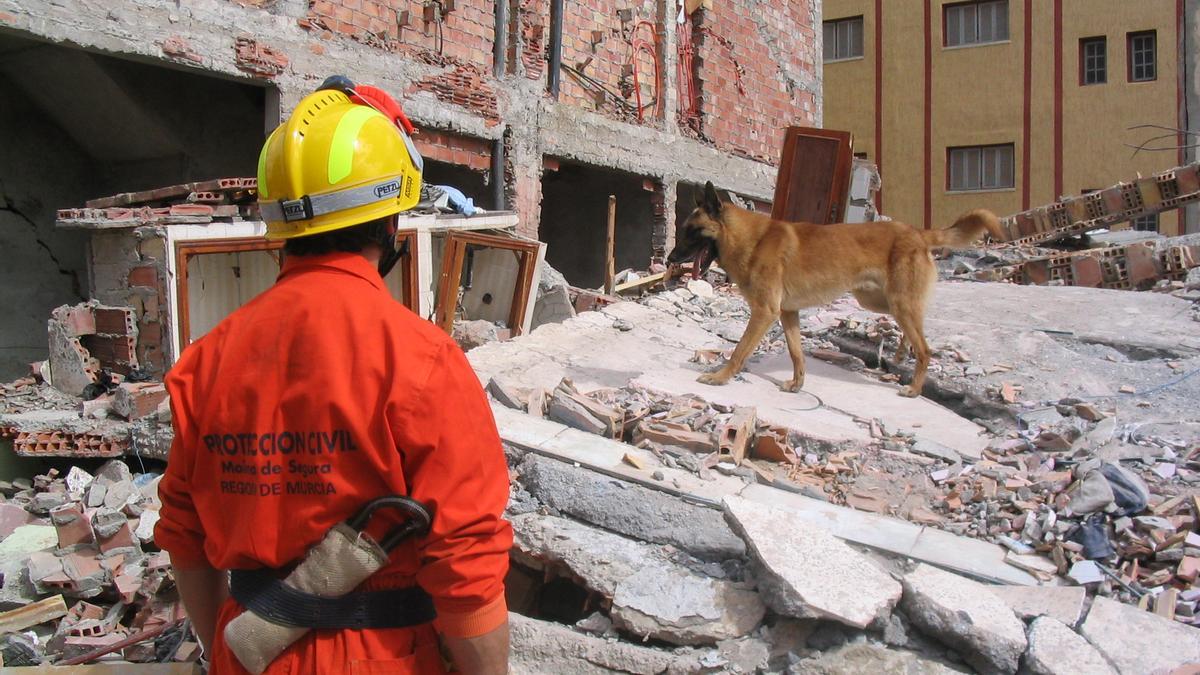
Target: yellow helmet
335,163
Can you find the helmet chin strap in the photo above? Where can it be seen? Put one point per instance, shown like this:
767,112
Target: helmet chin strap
389,255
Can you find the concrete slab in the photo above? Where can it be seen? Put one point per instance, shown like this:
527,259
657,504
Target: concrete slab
970,557
655,355
853,394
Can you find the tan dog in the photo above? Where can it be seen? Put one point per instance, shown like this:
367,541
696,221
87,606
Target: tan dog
781,268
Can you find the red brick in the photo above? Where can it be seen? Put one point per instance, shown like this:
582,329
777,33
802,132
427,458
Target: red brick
143,276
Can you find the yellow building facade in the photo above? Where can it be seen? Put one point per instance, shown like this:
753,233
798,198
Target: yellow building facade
1003,104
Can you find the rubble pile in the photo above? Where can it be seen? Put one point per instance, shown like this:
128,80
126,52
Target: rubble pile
611,575
81,574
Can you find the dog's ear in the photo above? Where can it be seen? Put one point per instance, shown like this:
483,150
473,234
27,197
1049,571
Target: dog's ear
711,203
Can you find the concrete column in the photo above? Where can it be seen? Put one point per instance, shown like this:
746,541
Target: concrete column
1190,72
663,200
668,55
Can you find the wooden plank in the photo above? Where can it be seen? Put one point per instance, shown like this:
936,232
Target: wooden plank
16,620
610,263
636,284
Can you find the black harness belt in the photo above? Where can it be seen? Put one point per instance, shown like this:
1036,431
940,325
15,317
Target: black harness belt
265,595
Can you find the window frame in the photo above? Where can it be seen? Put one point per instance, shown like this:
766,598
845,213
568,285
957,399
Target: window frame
1140,227
1084,43
975,39
1131,67
981,169
835,24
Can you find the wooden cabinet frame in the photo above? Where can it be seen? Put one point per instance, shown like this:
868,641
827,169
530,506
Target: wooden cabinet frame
185,250
450,279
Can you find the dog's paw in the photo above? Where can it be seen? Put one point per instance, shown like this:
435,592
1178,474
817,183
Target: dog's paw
715,379
908,392
792,385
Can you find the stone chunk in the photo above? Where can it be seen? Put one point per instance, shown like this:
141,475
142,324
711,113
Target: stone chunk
1139,642
547,647
630,509
1055,649
651,595
135,400
806,572
1063,603
965,615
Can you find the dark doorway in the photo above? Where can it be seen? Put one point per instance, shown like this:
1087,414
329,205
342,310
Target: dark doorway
574,221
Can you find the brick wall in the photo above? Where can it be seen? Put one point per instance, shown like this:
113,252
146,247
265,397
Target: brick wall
466,32
598,42
465,151
773,47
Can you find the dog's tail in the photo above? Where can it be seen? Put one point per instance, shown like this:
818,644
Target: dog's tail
969,227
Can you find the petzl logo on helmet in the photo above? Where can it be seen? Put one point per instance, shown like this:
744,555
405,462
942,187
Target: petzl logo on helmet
387,189
294,210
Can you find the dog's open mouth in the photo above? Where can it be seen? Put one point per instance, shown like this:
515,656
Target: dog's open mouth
704,258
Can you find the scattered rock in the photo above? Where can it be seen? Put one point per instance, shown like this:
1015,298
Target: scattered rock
1055,649
848,588
965,615
1085,572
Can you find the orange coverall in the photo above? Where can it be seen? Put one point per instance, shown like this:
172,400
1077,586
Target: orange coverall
314,398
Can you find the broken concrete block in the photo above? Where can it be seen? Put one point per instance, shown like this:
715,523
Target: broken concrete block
808,573
629,509
15,552
44,502
135,400
935,450
72,528
570,412
677,606
965,615
547,647
504,394
72,368
112,530
1063,603
114,471
1139,642
735,435
1055,649
1085,572
12,517
472,334
651,595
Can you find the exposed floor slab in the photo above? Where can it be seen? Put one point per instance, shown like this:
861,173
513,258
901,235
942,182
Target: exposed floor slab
631,343
972,557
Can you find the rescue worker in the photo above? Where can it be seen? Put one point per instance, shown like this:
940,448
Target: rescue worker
322,394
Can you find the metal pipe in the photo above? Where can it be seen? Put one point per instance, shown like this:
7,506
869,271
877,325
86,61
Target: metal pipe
500,39
497,182
556,23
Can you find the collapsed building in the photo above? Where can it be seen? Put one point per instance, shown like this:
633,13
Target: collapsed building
1038,510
